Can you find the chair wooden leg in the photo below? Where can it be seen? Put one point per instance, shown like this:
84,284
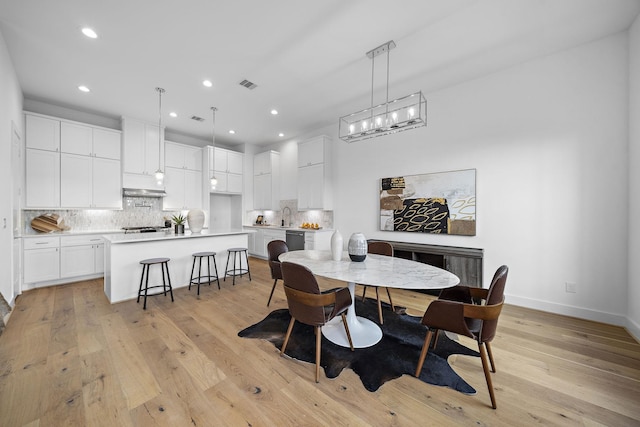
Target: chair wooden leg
435,341
423,353
390,300
346,329
288,334
318,350
379,305
273,288
487,374
490,354
364,292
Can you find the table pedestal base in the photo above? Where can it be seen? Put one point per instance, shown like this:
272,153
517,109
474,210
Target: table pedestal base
364,332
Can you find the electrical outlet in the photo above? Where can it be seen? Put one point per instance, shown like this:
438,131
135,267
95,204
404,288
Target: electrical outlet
571,288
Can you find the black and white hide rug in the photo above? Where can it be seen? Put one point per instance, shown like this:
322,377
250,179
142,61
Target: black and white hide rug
396,354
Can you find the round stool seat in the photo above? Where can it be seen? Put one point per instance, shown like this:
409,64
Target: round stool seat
154,261
236,249
204,254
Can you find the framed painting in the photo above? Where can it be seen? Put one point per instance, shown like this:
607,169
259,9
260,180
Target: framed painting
440,203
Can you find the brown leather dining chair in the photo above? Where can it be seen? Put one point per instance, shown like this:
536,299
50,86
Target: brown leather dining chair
469,311
309,306
275,248
380,248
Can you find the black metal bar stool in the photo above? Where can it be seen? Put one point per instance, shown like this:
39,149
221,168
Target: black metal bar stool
164,265
237,271
200,278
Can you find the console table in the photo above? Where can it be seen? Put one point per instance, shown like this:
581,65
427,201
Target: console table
466,263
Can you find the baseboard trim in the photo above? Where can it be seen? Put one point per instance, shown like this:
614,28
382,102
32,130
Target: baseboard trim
567,310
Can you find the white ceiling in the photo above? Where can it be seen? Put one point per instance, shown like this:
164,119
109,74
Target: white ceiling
307,58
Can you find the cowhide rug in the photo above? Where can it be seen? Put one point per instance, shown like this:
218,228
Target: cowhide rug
396,354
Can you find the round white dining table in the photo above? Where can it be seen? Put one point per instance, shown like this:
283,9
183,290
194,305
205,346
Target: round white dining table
375,270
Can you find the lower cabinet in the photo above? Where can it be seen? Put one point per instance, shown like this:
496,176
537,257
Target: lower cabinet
81,256
259,240
41,259
53,260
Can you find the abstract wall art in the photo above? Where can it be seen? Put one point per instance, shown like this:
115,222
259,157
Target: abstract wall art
440,203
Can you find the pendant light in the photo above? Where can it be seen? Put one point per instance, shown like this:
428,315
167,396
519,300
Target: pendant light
214,180
159,174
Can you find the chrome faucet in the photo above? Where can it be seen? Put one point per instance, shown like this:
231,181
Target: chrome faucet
283,214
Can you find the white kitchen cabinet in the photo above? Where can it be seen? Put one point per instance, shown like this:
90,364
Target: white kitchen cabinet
266,181
81,256
89,182
183,156
89,141
318,240
42,133
227,167
41,259
269,236
183,188
141,156
315,190
107,144
42,179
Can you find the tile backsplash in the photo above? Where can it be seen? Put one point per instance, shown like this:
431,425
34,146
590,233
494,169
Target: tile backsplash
136,211
322,218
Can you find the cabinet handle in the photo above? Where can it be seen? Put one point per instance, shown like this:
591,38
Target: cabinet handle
42,243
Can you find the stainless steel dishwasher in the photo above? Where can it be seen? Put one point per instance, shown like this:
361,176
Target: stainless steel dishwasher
295,240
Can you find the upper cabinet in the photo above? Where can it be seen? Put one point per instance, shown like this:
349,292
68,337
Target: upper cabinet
227,167
266,181
71,165
143,153
315,190
183,176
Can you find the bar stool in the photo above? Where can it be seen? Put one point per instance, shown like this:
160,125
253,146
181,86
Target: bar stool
164,265
209,278
239,271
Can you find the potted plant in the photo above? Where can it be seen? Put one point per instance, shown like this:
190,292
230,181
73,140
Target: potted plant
179,222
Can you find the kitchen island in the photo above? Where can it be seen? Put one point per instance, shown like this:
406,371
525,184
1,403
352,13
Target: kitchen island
123,253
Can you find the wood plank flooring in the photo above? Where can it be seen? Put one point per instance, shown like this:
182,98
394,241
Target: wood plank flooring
68,357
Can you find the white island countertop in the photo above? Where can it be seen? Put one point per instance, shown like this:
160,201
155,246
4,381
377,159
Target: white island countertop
168,235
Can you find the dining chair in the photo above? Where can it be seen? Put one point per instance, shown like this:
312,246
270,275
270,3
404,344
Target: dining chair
310,306
380,248
469,311
274,249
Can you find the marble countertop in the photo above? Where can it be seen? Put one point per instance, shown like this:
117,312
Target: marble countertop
374,270
33,233
168,235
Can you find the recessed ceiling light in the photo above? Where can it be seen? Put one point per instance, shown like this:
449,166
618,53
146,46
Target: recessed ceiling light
83,88
207,83
172,114
89,33
232,132
274,112
281,134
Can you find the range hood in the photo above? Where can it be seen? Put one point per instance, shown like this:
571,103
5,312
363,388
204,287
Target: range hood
142,192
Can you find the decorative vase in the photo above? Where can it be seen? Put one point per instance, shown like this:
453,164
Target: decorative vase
336,245
195,218
179,228
357,247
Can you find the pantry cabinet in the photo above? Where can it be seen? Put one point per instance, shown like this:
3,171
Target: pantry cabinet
266,181
315,190
227,167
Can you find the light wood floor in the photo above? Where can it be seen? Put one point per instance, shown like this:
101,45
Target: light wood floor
68,357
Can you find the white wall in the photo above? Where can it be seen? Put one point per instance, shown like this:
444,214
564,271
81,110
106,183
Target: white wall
633,300
10,110
548,139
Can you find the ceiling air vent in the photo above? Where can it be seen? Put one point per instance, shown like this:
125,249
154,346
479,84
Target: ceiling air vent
197,119
249,85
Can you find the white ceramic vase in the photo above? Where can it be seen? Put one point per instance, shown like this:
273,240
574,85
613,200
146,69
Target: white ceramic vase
357,247
336,245
195,218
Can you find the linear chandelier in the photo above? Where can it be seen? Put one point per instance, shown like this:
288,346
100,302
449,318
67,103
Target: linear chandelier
408,112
